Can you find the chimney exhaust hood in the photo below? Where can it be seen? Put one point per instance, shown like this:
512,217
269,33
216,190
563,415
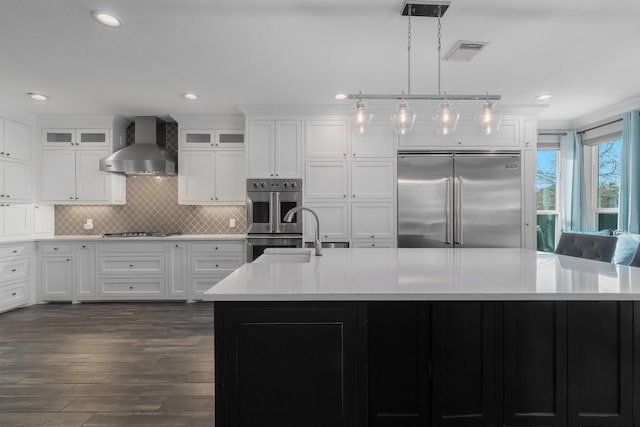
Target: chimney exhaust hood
146,156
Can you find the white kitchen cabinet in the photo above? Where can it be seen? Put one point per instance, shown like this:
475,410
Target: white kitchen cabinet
274,148
15,182
56,277
372,179
530,134
378,142
212,177
73,175
465,136
85,271
177,285
197,139
326,180
43,219
211,262
334,221
15,219
374,243
15,262
229,139
16,141
372,220
327,138
80,138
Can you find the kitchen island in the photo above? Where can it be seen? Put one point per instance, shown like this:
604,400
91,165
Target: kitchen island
421,337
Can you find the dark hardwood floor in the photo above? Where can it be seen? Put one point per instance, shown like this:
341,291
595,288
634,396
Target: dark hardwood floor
107,364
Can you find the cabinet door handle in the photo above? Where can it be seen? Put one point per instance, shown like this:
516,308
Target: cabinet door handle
71,143
84,246
68,259
130,265
373,237
1,195
55,249
354,154
77,198
131,287
344,195
217,266
71,198
2,153
7,196
271,174
177,246
8,154
354,196
13,294
216,198
13,270
216,248
15,251
373,245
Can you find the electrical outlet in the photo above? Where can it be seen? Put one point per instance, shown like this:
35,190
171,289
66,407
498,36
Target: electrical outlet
232,222
89,224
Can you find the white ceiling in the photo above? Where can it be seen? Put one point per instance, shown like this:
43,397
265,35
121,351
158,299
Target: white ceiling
237,52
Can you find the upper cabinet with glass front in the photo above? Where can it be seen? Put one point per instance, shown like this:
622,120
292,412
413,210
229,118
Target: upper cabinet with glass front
80,138
211,139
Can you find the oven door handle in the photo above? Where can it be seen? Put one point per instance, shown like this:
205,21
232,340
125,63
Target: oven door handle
277,212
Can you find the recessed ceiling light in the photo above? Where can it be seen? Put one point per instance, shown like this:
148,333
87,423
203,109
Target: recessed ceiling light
544,97
340,96
37,96
106,18
190,96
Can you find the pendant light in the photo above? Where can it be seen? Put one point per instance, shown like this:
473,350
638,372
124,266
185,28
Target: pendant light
445,119
404,117
488,120
361,118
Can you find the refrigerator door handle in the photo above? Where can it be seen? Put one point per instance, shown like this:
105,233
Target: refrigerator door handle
459,237
448,223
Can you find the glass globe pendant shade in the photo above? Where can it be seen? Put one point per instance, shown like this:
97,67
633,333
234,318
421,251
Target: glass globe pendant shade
445,119
488,120
403,119
361,118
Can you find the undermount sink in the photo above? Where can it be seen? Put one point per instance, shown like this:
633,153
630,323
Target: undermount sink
284,255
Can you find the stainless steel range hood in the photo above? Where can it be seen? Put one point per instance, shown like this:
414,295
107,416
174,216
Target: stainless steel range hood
146,156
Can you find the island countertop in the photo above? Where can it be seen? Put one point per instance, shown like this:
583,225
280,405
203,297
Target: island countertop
378,274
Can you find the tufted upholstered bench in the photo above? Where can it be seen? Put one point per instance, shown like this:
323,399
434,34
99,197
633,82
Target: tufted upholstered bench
589,246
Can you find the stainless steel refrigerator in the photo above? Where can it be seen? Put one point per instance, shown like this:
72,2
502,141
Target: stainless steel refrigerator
459,199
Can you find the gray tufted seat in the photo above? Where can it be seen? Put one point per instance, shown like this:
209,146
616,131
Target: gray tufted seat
589,246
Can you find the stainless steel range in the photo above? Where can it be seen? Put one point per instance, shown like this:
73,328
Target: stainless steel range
268,201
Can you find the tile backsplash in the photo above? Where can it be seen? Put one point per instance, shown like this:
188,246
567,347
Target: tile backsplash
152,206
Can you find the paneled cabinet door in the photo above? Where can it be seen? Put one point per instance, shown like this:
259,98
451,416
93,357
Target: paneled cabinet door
85,274
326,180
464,364
334,221
229,139
372,220
178,276
378,142
261,148
56,277
91,183
372,180
16,219
196,177
535,363
288,149
17,182
59,138
17,141
600,355
230,177
198,139
58,175
43,219
327,138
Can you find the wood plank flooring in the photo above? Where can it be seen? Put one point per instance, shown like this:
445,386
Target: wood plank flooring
107,364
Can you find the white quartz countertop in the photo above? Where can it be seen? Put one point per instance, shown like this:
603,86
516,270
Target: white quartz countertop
370,274
175,237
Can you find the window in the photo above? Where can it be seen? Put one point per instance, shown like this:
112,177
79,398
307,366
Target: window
547,199
606,185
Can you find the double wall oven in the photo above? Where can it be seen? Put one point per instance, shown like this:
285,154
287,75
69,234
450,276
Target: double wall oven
268,201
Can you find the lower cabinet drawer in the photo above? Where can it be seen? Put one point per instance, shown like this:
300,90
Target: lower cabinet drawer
374,243
14,270
205,265
128,265
56,248
128,288
13,295
222,247
15,250
199,285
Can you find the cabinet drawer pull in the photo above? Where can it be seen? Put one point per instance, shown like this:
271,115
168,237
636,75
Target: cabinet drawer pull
13,294
68,259
373,237
71,198
216,248
130,265
354,196
15,251
8,154
84,246
77,198
217,266
177,246
373,245
13,270
131,287
55,249
7,196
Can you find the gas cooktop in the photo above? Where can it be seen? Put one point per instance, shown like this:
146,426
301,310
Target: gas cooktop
140,234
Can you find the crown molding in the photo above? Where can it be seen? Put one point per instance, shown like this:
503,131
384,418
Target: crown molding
611,112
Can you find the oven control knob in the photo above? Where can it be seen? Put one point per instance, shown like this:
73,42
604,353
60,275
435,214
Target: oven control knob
294,184
263,184
286,185
255,185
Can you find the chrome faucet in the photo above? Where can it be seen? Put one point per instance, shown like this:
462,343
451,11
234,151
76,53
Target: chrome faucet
316,244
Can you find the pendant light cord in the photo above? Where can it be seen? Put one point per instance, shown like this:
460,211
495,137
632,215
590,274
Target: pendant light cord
409,53
439,46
